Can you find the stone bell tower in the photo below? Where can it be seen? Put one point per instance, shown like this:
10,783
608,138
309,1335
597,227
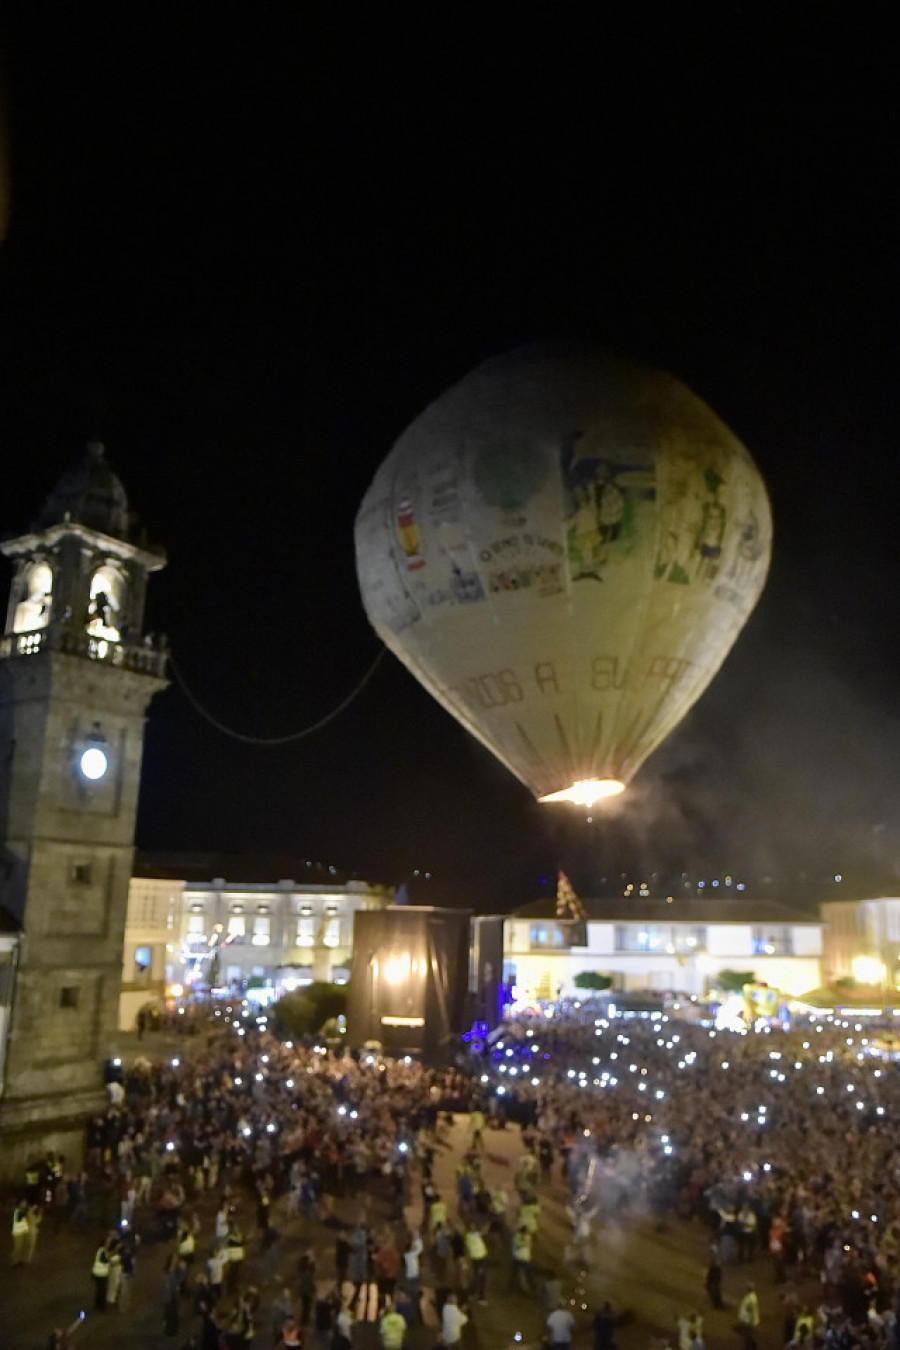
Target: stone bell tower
76,676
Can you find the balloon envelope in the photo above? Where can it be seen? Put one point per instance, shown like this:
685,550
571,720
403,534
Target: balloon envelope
563,549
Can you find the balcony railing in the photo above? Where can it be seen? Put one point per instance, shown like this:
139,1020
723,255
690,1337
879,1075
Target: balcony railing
142,658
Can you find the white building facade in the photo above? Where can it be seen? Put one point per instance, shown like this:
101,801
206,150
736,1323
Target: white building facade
151,929
862,940
658,946
184,934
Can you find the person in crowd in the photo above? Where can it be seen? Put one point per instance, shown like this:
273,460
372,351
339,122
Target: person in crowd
453,1321
100,1275
173,1273
20,1231
392,1329
560,1327
604,1326
283,1310
714,1277
748,1317
476,1254
343,1327
288,1336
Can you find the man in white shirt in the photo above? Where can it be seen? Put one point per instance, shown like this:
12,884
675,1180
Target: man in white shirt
412,1282
453,1319
561,1324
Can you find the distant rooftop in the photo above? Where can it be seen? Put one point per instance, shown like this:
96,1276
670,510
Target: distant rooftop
637,910
239,869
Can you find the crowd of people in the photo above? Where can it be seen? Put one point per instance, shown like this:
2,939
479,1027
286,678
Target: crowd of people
782,1142
295,1194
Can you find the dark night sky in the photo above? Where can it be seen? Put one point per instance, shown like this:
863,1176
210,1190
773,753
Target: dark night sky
247,254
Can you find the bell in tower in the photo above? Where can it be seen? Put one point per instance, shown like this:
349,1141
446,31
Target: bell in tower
76,677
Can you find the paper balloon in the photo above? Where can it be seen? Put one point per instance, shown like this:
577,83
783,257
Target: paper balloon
563,549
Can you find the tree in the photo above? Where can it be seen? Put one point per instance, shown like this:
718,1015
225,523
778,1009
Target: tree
733,981
592,979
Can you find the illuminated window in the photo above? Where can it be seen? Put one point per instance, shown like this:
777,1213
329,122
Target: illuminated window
694,939
143,963
306,931
331,934
261,930
34,610
196,924
107,591
657,937
775,941
631,937
551,934
236,924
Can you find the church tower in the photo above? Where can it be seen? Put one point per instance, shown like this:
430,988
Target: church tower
76,677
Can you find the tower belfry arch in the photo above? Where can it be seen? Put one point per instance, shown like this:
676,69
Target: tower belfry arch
77,674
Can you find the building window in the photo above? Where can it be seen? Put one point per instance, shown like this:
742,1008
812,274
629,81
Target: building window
143,962
633,937
148,911
772,942
237,926
81,874
549,934
68,996
306,931
660,937
692,939
107,595
33,610
331,934
261,930
196,927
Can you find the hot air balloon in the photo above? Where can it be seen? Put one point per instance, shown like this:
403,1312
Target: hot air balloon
563,549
